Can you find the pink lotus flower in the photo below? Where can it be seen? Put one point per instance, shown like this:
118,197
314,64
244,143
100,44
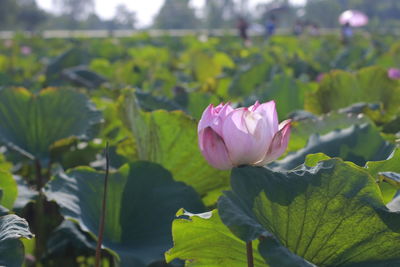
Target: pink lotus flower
394,74
320,77
231,137
26,50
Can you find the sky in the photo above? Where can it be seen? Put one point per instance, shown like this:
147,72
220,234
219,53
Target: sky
145,9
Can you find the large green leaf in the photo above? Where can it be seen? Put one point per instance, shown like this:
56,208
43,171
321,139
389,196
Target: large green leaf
26,194
149,102
4,164
387,172
389,165
203,66
82,76
340,89
277,255
391,58
331,214
31,123
358,143
170,139
287,93
9,188
198,101
12,228
70,58
203,240
302,129
66,236
141,203
249,78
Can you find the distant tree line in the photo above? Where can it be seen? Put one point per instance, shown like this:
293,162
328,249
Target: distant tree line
69,14
180,14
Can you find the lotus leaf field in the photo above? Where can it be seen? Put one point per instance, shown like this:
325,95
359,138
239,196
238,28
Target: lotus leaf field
332,199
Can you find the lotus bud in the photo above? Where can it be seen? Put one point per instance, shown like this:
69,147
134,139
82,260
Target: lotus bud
231,137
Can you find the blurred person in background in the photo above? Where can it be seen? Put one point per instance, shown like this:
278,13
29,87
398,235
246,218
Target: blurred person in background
243,27
298,28
347,33
270,26
314,29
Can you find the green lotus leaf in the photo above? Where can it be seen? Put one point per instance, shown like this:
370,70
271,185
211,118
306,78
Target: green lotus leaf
170,139
70,58
141,203
12,228
277,255
331,214
389,165
288,94
9,188
82,76
66,236
149,102
4,164
203,240
32,123
26,194
349,144
198,101
8,185
250,78
312,125
387,174
340,89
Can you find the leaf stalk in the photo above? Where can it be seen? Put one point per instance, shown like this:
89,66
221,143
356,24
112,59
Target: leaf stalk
103,210
249,252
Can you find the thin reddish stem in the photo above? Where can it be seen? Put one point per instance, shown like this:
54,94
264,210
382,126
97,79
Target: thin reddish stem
249,250
103,211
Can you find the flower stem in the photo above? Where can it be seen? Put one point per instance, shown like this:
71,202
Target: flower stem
103,211
39,213
249,249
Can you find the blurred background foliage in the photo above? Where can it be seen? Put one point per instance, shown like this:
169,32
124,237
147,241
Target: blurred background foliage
180,14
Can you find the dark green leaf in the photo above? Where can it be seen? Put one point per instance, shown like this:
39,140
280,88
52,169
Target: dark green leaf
70,58
358,143
141,203
308,125
148,102
277,255
249,79
82,76
12,228
32,123
26,194
287,93
331,214
67,236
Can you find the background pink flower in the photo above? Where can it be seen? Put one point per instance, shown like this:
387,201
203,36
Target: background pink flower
394,74
26,50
